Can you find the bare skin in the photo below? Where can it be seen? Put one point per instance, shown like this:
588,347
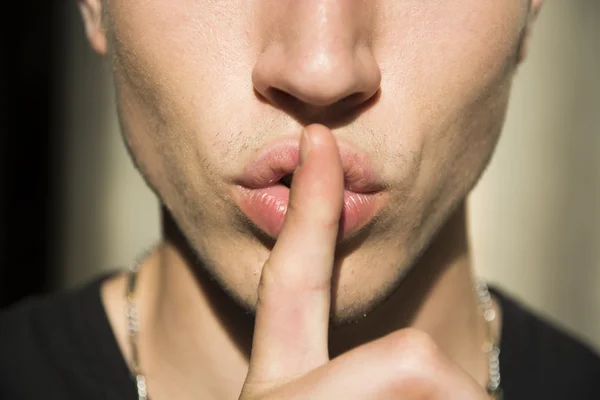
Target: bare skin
290,353
420,86
200,354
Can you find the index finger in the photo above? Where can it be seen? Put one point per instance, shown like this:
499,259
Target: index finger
292,314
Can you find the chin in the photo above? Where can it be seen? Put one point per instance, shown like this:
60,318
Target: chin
356,303
359,286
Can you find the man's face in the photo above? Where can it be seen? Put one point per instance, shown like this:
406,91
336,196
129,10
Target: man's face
419,86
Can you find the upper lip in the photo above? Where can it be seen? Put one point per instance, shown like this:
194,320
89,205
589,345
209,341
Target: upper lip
274,161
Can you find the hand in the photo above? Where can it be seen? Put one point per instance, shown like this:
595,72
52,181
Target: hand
290,357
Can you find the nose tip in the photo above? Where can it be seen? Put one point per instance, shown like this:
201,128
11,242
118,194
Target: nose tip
317,59
319,80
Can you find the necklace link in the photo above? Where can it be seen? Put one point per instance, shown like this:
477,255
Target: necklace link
486,310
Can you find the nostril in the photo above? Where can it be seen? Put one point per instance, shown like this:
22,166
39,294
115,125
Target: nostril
289,101
354,99
311,112
283,99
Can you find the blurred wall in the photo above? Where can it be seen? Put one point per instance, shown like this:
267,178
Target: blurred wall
535,216
110,214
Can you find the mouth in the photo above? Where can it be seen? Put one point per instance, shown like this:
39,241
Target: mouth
262,191
287,180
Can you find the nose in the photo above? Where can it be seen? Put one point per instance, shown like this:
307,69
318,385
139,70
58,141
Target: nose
315,58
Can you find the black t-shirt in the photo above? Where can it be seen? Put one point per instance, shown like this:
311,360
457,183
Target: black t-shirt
62,347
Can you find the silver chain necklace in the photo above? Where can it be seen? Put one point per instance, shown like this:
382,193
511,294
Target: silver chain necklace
133,329
490,347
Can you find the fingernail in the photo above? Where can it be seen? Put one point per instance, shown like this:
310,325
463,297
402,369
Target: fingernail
304,147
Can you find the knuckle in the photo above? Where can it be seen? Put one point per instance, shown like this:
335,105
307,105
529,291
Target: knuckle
266,285
287,285
267,279
417,362
414,345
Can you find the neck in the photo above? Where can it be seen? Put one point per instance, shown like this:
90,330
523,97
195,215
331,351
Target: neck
195,341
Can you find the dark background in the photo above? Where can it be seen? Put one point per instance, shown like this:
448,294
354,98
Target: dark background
30,139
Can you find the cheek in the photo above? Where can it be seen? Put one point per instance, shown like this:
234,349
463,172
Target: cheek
442,55
447,70
180,62
466,81
454,62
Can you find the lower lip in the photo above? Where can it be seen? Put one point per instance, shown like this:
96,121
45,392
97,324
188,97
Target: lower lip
266,208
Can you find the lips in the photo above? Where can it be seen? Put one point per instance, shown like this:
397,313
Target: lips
263,198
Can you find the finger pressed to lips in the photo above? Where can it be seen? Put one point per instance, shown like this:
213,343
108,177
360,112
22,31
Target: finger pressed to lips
262,190
292,316
290,357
